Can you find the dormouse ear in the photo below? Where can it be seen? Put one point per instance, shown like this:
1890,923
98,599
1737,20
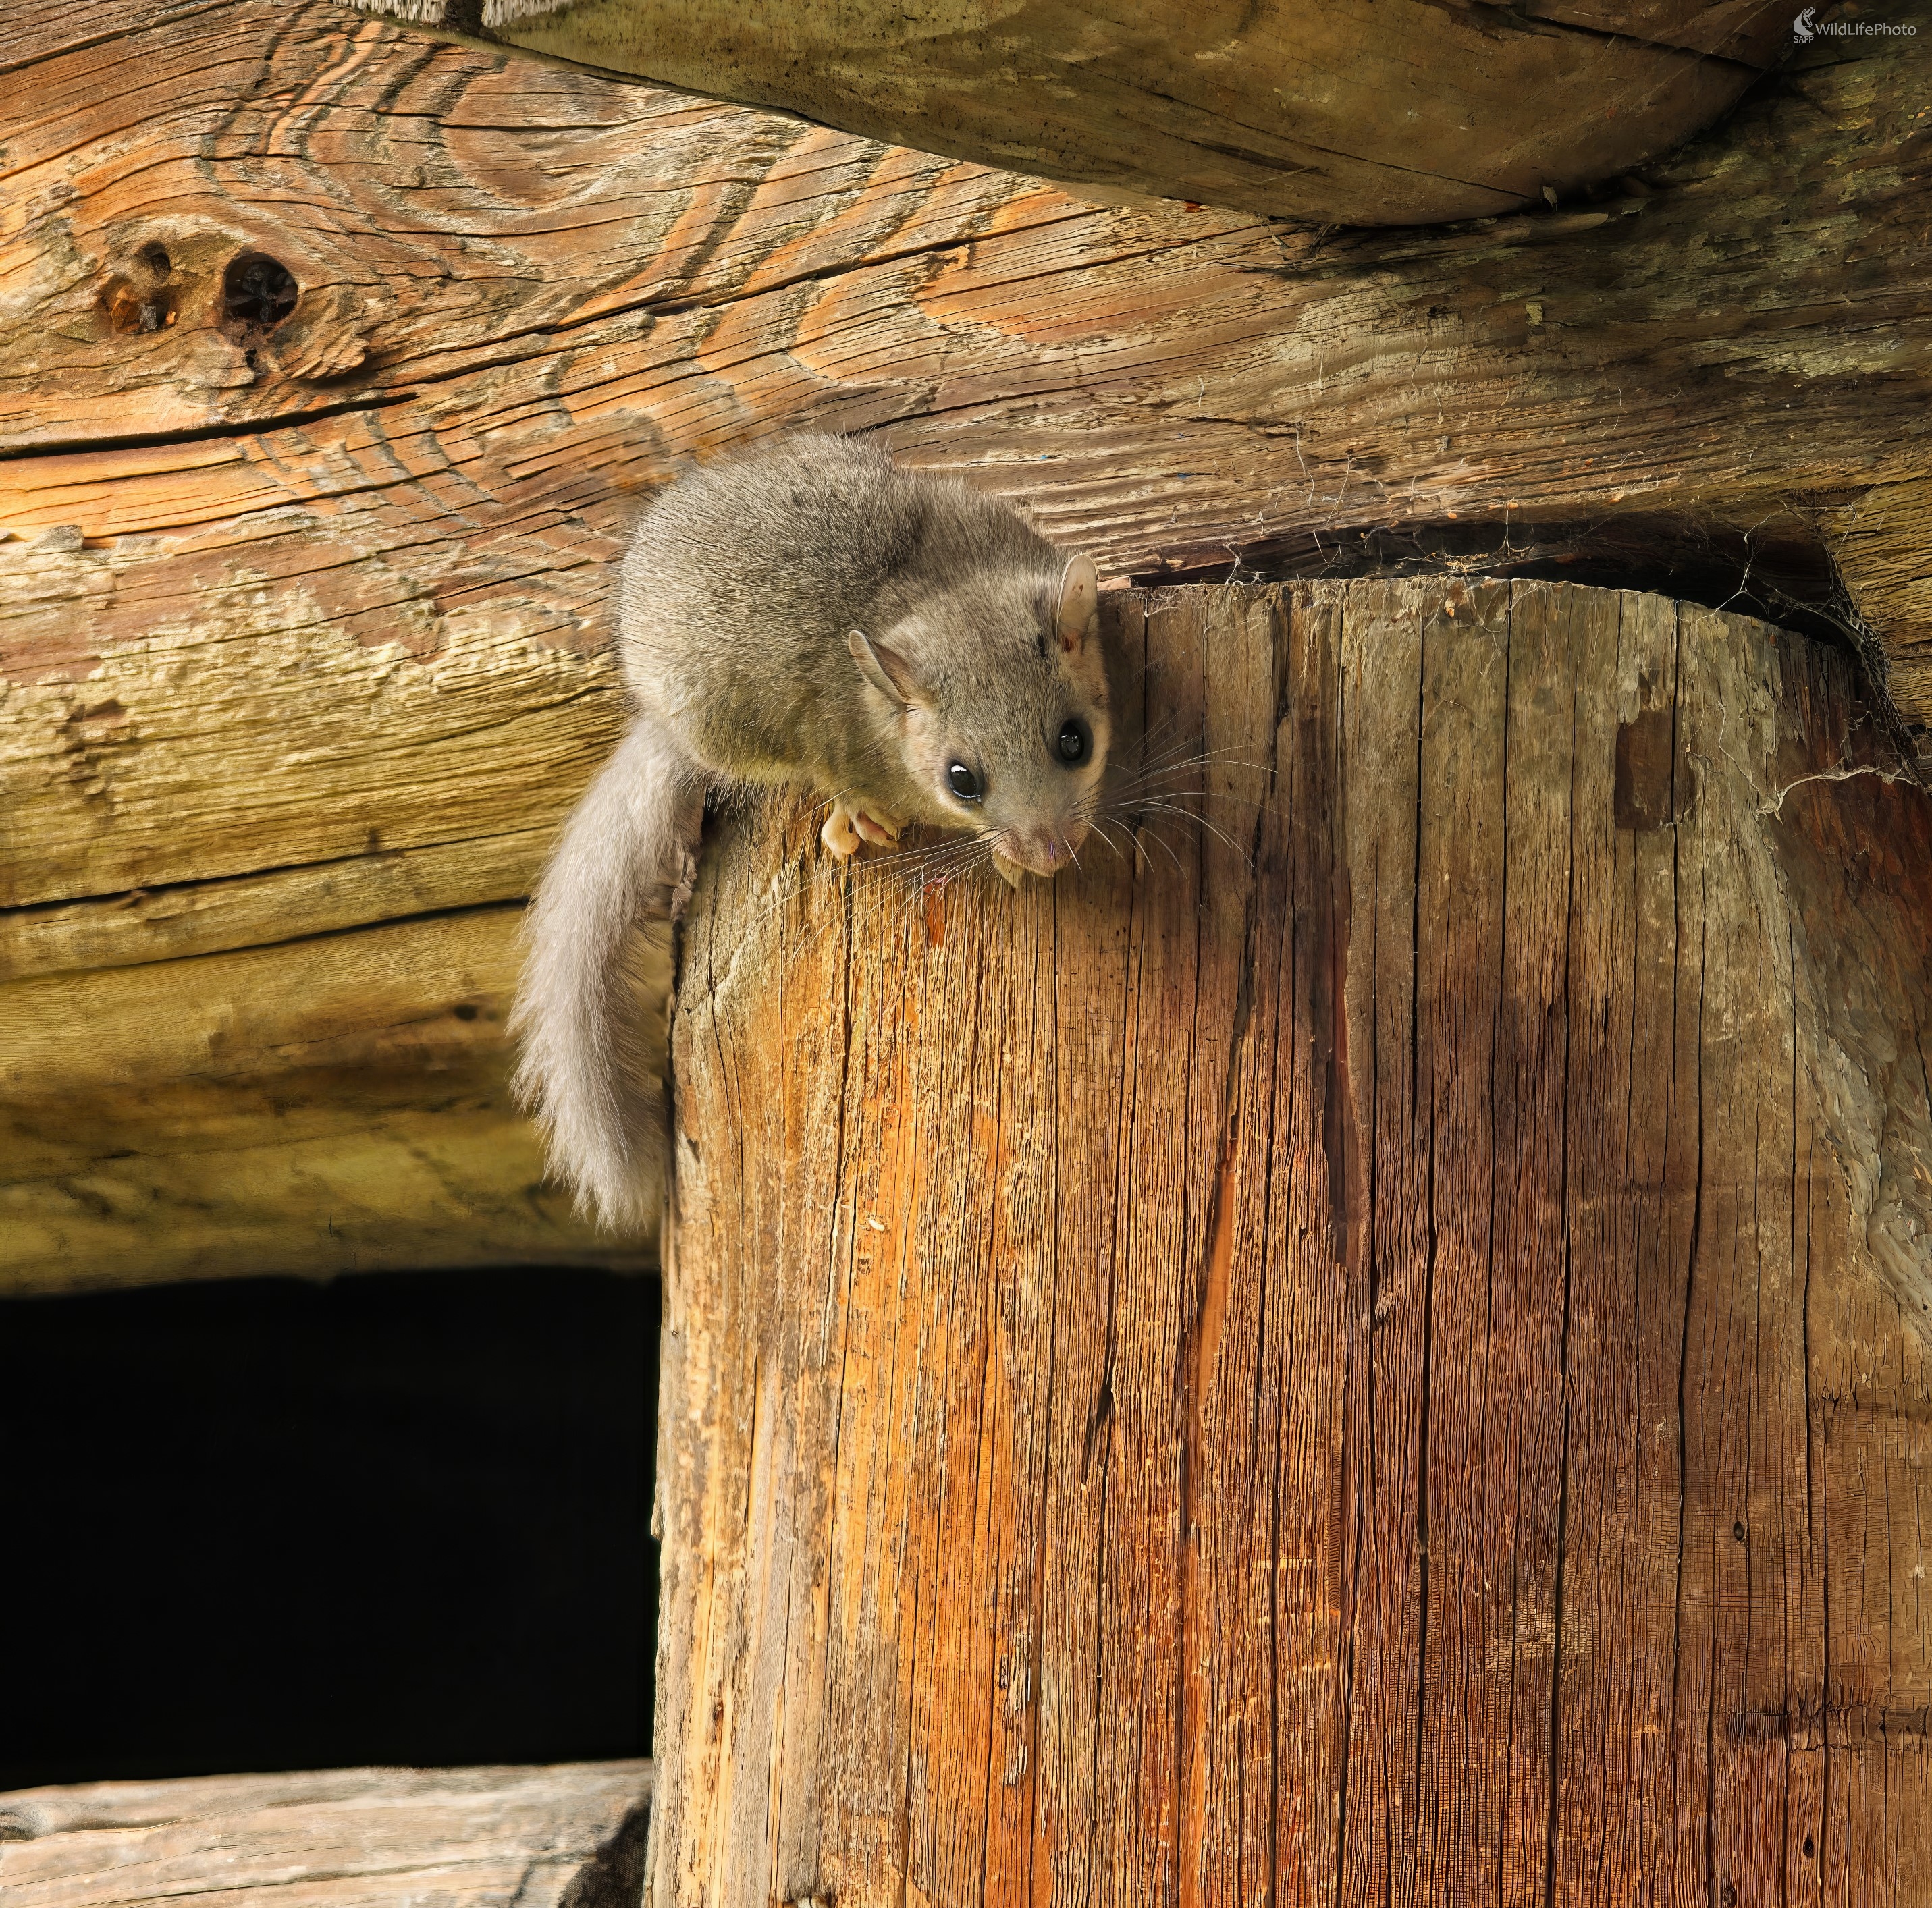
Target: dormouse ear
1079,599
884,668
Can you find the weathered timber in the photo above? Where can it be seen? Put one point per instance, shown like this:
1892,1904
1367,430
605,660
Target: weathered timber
1370,1349
1343,112
569,1836
524,296
328,1103
300,606
275,1042
1881,545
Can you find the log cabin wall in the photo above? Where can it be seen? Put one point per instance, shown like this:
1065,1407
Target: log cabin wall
333,360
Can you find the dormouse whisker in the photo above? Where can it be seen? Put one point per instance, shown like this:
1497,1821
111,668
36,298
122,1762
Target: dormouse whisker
1220,834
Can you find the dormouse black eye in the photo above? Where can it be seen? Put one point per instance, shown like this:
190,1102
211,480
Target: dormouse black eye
1075,742
964,782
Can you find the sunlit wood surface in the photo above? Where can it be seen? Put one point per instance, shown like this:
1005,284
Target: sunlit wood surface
1372,1348
304,594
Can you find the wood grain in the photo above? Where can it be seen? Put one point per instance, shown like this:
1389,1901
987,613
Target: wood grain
569,1836
1344,112
1882,546
268,1034
1374,1349
339,1102
301,621
528,296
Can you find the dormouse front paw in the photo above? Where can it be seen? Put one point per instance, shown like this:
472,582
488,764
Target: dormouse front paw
876,826
850,822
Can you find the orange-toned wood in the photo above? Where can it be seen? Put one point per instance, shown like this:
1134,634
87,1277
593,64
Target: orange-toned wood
1372,1348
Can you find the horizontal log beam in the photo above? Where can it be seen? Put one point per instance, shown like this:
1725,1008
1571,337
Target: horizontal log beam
338,1103
525,295
1343,112
569,1836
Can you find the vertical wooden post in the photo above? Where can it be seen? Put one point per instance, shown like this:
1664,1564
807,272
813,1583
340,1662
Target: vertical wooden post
1371,1349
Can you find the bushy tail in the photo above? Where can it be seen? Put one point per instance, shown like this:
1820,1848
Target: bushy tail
586,1072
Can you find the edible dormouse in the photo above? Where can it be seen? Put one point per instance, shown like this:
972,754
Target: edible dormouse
805,615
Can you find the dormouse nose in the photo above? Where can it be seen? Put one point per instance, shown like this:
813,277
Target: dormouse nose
1046,850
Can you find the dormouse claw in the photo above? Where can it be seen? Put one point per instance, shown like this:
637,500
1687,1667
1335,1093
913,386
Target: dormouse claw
849,823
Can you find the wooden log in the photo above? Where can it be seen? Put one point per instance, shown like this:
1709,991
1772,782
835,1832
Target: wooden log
1342,111
1881,545
1375,1349
269,1037
570,1836
526,295
299,606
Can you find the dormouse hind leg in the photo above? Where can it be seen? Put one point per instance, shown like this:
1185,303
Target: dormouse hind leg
849,822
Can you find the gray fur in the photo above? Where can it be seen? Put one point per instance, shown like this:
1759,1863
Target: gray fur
805,615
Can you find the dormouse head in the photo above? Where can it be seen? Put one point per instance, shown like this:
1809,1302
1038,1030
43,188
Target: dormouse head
998,692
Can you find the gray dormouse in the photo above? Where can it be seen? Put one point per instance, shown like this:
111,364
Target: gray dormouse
806,615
